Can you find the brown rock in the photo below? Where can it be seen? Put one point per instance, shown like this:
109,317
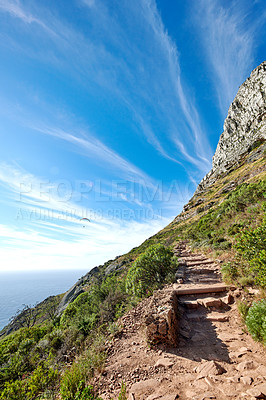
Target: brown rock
261,370
228,299
246,380
207,396
184,333
239,353
226,337
233,379
211,302
246,365
162,328
259,392
152,328
217,317
142,386
173,396
209,368
164,362
190,304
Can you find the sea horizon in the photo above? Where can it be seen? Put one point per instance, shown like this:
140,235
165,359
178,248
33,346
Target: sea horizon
32,287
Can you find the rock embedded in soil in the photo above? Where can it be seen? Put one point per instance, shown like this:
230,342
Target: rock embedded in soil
209,368
164,362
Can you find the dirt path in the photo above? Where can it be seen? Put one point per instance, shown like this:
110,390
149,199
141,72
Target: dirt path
214,358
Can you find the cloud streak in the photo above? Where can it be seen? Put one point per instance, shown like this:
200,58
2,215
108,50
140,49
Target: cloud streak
126,74
228,38
95,148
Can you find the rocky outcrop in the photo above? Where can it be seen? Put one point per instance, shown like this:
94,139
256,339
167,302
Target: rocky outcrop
75,290
110,267
161,318
244,127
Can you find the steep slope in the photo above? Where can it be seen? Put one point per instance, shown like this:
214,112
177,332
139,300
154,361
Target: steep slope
66,347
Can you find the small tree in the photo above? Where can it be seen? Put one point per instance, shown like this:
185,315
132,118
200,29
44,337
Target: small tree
150,270
51,310
26,317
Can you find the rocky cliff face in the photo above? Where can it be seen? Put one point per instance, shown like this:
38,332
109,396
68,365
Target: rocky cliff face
244,126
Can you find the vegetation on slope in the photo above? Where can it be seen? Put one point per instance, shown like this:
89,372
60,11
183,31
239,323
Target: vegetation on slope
38,361
32,359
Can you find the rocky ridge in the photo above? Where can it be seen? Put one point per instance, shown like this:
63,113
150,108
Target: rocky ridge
244,126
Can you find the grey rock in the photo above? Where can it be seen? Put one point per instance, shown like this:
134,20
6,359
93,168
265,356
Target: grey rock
244,127
76,290
69,297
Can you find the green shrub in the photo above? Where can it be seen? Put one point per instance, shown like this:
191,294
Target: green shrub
256,321
44,378
103,304
243,308
247,280
214,228
14,391
86,393
229,272
150,270
251,246
73,381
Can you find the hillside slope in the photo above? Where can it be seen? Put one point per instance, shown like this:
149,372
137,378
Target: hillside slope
239,158
224,229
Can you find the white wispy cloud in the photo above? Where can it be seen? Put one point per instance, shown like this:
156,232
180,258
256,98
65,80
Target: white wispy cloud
85,248
228,38
126,73
15,9
95,148
45,234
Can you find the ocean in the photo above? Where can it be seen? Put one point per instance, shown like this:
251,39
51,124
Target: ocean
31,287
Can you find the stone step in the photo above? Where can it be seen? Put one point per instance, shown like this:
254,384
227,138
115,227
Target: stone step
198,280
211,302
198,289
202,270
190,304
194,263
217,317
195,316
180,273
199,259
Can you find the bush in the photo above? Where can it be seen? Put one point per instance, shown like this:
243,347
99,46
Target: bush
243,309
86,393
73,381
251,246
43,379
14,391
256,321
150,270
229,272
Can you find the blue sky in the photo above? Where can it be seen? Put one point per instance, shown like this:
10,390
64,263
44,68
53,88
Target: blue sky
111,110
